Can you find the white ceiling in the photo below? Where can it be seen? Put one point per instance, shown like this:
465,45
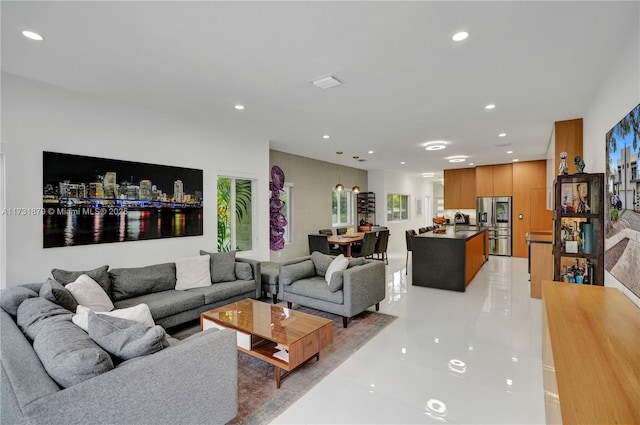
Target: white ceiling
405,81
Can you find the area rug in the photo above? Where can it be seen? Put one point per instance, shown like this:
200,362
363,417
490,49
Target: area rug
259,401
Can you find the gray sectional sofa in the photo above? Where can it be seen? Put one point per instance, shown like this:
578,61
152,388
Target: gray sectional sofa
349,292
53,372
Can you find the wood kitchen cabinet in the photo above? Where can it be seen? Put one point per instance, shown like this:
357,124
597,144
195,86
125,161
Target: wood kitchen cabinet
494,180
459,189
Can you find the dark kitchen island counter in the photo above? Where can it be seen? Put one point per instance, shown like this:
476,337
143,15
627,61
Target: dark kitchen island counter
448,260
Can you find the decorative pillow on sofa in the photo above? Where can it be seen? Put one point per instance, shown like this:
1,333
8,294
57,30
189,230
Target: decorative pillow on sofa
100,275
135,281
193,272
88,293
340,263
321,262
292,272
55,292
36,312
125,339
138,313
11,298
336,281
223,266
74,361
359,261
244,271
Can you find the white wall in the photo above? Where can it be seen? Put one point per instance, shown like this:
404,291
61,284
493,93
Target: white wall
38,117
616,97
389,182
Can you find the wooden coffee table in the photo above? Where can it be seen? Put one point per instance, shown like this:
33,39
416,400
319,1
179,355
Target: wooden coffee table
285,338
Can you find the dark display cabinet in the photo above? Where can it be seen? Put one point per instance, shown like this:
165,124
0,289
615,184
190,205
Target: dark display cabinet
578,224
366,202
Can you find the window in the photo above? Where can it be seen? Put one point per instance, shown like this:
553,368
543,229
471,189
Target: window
397,207
341,207
235,214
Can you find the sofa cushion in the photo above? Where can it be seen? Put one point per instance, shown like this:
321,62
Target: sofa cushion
34,313
193,272
321,262
165,303
225,290
244,271
336,283
100,275
340,263
292,272
223,266
69,355
11,298
56,293
125,339
315,287
89,293
136,281
138,313
358,261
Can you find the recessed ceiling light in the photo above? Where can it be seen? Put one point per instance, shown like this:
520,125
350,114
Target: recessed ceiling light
370,152
239,107
436,145
428,174
459,36
457,158
32,35
326,136
327,82
402,163
502,134
516,160
509,151
490,106
471,163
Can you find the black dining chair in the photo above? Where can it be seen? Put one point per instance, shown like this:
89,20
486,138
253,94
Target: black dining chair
409,234
341,231
327,232
368,247
318,243
381,245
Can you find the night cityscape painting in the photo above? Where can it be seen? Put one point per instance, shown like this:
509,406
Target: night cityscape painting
89,200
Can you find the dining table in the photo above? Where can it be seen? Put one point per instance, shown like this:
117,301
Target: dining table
345,241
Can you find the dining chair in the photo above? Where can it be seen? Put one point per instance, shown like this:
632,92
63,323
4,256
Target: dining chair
319,243
327,232
368,247
381,245
409,234
341,231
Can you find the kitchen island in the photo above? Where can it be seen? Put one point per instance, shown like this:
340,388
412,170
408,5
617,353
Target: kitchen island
448,260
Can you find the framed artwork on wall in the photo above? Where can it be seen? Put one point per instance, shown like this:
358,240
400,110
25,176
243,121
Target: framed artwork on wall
88,200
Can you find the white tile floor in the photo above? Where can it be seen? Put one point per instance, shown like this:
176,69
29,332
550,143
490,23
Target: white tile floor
469,357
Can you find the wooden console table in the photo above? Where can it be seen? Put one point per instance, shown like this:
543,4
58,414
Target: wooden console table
590,355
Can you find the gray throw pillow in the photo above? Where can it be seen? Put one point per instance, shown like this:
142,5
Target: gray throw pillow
135,281
11,298
292,272
34,313
56,293
244,271
69,355
335,284
125,339
321,262
100,275
356,262
223,266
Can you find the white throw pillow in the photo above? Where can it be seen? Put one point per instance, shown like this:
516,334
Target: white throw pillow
193,272
139,313
89,293
339,263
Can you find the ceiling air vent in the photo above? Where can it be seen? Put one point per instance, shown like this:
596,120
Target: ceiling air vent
327,82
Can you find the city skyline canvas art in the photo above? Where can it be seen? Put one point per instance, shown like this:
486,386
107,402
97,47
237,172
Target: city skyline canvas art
88,200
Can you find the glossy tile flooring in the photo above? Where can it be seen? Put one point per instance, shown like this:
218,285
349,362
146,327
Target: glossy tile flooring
469,357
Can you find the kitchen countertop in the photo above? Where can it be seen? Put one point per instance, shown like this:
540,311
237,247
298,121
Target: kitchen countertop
452,234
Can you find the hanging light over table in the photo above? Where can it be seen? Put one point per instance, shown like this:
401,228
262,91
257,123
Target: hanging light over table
339,187
356,188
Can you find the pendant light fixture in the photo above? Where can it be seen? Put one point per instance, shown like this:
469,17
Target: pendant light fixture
356,188
339,187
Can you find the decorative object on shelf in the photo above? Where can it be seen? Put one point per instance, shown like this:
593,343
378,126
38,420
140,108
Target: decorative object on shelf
587,237
277,220
356,188
563,169
339,187
579,164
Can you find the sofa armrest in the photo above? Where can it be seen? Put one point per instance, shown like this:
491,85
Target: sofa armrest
364,286
255,268
193,382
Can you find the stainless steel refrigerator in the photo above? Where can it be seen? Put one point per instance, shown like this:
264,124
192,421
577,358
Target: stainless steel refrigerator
494,214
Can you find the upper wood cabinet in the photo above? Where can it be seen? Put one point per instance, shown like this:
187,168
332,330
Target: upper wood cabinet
494,180
459,189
